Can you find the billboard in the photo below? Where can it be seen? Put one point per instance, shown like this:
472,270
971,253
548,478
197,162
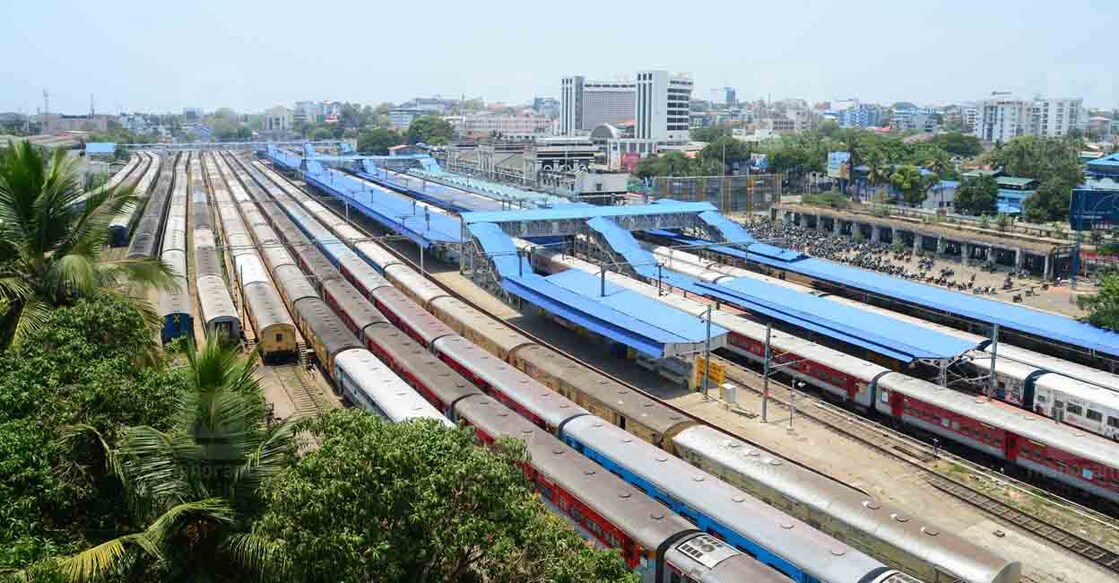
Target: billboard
839,165
1094,208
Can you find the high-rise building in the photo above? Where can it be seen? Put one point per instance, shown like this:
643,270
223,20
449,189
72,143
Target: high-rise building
584,105
724,96
1056,117
662,110
1003,117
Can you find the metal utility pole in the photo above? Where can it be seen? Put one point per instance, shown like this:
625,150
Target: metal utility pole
707,355
602,274
792,400
765,376
992,382
420,245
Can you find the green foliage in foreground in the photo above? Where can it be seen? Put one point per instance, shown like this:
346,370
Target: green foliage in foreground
415,502
80,366
51,238
1103,307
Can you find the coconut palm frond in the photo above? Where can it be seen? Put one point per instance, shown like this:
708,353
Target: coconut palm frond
269,457
255,552
98,561
157,465
144,273
26,318
72,275
14,288
81,429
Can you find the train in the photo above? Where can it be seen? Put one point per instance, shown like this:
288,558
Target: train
805,554
940,558
1017,439
273,327
650,539
175,303
1067,392
147,236
215,304
121,224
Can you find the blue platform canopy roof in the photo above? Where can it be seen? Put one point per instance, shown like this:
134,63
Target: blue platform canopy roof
585,212
1034,322
880,334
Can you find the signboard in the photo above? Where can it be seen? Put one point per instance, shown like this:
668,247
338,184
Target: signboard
759,162
629,161
1094,208
839,165
717,376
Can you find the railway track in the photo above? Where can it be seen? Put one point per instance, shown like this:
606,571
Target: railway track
1063,538
891,442
919,455
300,390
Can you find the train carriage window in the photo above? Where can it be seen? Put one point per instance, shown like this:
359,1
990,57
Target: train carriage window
1113,422
279,338
1074,409
1094,415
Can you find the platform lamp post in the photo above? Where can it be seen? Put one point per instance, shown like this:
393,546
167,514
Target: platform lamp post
707,355
793,388
765,375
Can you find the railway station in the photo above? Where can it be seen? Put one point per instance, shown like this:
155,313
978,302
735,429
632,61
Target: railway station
289,267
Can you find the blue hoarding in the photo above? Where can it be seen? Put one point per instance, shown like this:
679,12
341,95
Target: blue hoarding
1095,206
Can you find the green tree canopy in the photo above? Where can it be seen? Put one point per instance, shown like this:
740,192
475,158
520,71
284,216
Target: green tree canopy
913,186
413,502
959,144
377,141
709,133
1054,162
51,241
430,129
83,366
1103,307
194,487
978,196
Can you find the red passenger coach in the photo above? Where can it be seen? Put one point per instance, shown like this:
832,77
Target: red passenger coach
1035,443
825,377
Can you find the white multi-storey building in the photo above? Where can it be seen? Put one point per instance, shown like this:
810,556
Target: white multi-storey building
584,105
1002,117
663,107
510,127
1056,117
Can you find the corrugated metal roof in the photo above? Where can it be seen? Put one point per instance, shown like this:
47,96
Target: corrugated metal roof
573,212
1014,181
876,332
1051,326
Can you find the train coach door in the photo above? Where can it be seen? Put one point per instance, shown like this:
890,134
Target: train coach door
1058,411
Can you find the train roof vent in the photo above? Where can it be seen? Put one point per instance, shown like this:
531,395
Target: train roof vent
707,550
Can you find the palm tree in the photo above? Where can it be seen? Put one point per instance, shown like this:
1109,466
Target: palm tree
197,486
51,241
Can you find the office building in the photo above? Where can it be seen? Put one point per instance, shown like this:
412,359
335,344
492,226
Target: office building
1003,117
278,119
663,106
724,96
1056,117
584,105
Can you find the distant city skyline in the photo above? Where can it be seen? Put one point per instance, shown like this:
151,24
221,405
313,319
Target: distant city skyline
251,56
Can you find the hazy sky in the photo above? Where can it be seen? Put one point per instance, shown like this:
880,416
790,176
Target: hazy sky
165,55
